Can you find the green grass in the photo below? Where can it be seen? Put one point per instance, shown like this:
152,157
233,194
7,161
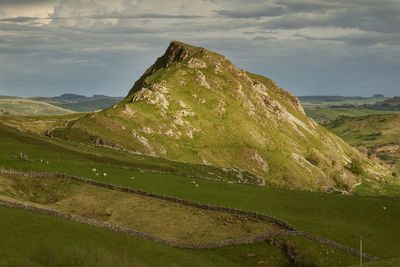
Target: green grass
384,263
37,240
179,222
332,216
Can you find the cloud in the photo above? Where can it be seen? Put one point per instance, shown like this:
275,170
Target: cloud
21,19
254,11
361,39
102,46
24,2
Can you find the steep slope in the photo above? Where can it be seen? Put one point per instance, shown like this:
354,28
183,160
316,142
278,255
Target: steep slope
194,105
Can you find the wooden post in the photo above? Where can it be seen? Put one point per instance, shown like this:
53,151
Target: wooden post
361,252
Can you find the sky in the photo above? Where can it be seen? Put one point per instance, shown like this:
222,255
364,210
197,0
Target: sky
309,47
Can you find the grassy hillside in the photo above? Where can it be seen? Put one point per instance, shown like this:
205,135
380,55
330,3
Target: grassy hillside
21,106
377,136
332,216
193,105
179,222
37,240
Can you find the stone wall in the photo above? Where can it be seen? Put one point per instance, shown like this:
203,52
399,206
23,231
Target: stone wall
288,229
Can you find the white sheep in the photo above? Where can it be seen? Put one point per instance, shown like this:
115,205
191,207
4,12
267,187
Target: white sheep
94,170
105,174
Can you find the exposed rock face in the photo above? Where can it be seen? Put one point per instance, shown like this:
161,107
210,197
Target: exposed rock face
194,105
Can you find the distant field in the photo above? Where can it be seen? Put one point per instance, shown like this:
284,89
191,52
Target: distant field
323,110
20,106
86,106
323,101
332,216
81,103
326,115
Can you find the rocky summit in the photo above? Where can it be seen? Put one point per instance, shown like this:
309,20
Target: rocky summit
193,105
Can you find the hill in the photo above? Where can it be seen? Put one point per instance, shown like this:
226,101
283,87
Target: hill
194,105
22,106
326,115
81,103
332,216
325,109
392,104
377,136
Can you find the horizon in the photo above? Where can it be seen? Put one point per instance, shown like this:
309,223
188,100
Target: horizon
122,96
309,47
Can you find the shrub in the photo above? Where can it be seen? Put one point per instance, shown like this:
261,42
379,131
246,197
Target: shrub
384,156
355,167
313,158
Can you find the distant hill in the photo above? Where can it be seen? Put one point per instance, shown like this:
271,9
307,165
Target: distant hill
28,107
390,104
81,103
325,109
324,98
194,105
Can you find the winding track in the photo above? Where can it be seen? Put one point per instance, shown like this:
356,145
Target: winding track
289,230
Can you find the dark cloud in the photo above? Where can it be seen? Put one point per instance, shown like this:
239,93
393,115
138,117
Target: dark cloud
254,11
144,15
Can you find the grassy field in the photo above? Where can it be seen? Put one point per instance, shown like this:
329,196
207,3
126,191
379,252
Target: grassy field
37,240
20,106
179,222
343,101
325,111
332,216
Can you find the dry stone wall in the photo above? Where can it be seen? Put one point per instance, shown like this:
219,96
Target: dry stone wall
288,230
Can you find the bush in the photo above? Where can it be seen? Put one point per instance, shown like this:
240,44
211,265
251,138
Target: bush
300,257
384,156
313,158
355,167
